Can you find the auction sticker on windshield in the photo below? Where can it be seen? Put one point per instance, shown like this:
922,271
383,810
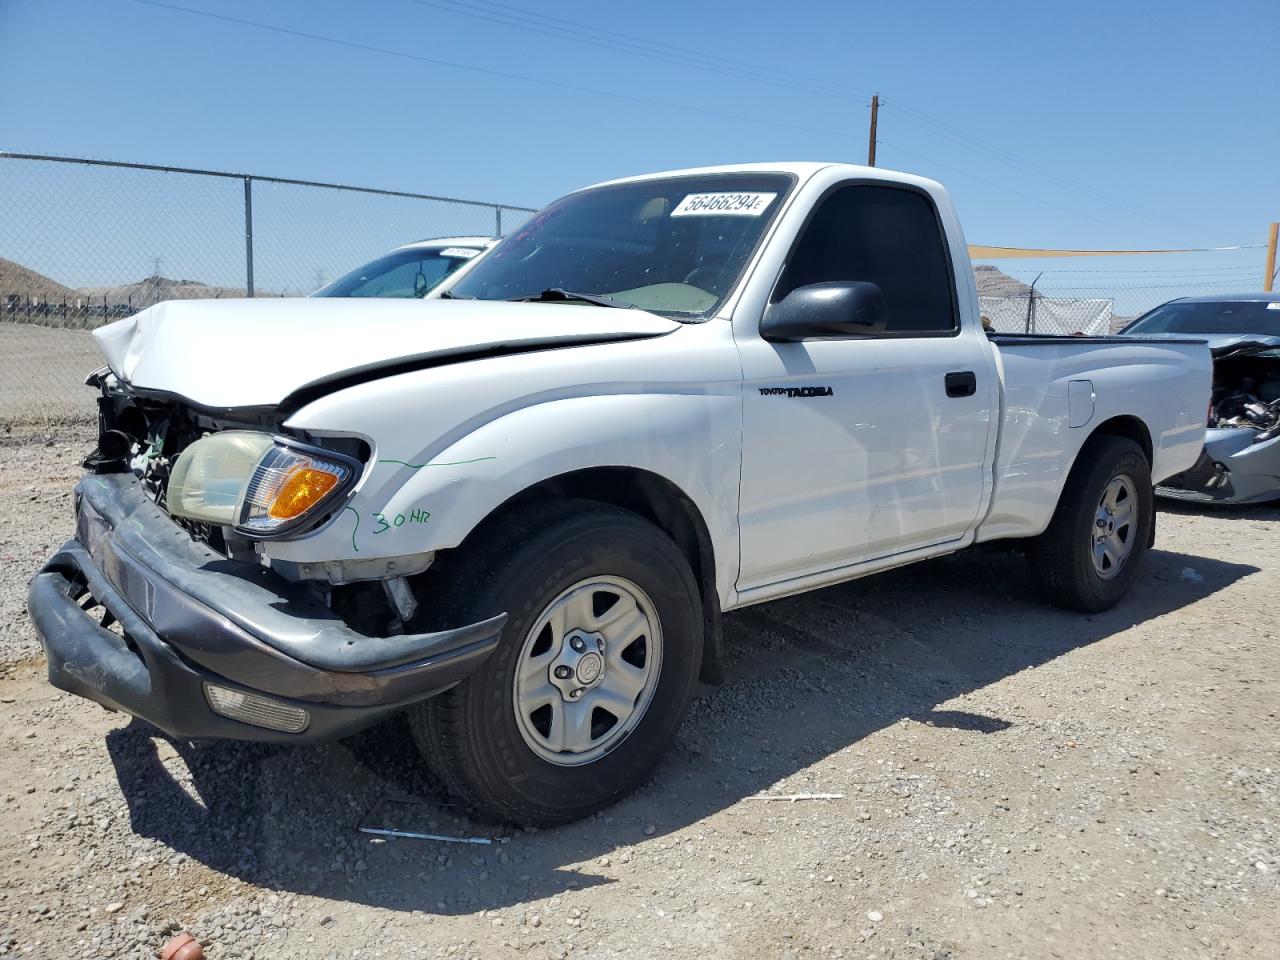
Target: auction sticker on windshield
723,205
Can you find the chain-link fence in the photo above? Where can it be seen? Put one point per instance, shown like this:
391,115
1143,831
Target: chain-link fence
1098,302
85,242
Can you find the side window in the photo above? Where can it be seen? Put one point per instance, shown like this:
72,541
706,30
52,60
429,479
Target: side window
886,235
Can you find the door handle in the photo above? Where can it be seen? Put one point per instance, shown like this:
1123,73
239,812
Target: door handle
962,383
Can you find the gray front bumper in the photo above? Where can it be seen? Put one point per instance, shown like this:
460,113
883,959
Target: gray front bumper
190,616
1232,469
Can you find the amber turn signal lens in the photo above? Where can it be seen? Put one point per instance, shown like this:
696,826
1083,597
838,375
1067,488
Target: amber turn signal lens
304,488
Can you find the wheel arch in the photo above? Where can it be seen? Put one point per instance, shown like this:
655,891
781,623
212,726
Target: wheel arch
656,499
1130,427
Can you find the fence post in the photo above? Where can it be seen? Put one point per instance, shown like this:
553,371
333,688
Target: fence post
1031,304
248,236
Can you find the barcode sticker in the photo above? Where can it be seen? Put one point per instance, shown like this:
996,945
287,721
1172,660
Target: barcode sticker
723,205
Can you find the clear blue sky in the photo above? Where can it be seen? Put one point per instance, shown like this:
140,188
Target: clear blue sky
1090,124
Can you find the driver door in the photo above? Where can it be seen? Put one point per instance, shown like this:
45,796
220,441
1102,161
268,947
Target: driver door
855,450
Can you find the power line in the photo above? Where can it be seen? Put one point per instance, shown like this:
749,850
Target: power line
526,19
488,71
941,129
507,14
1000,186
1149,286
833,91
1207,272
383,51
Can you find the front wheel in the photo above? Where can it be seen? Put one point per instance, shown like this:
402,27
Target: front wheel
592,675
1087,558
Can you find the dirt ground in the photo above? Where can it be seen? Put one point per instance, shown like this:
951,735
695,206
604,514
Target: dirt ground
1015,781
42,371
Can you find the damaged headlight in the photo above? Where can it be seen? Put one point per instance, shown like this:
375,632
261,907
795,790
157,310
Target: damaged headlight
289,484
263,486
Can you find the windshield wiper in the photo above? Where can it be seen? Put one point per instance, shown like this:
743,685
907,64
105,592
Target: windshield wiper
556,295
446,295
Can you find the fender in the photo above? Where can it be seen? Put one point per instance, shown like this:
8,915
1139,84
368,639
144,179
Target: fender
668,435
417,495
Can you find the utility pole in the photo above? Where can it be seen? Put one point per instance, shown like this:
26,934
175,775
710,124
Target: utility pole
871,140
1269,279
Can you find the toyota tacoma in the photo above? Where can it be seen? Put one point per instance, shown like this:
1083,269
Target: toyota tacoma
517,509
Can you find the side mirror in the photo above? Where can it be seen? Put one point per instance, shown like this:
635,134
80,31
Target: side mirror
827,311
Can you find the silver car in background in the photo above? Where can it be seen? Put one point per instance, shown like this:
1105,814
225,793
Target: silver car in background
413,270
1241,458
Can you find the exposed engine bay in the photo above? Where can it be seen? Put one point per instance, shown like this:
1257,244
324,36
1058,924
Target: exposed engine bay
1246,391
1240,462
145,434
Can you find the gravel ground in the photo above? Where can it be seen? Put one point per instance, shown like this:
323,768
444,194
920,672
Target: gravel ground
1017,782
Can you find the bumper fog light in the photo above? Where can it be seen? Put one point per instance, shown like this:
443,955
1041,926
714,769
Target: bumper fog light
255,709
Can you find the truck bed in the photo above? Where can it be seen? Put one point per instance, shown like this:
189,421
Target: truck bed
1056,391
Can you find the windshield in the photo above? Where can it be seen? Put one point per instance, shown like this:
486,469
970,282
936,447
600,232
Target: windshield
401,273
1255,317
674,247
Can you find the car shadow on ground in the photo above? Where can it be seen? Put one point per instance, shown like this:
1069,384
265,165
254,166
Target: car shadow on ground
1229,511
806,677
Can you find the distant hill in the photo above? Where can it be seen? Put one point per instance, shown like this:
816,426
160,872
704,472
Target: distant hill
152,290
993,282
26,283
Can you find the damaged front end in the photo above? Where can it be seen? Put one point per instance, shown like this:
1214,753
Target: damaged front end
168,611
1240,462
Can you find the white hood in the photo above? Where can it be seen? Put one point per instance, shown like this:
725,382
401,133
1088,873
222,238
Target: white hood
249,353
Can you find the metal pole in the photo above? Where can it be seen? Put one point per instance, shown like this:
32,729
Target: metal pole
497,221
248,236
871,140
1269,279
1031,300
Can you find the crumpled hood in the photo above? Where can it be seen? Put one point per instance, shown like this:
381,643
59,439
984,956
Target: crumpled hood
224,354
1221,343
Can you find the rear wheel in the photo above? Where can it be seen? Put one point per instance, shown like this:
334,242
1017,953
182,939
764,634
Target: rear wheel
592,675
1087,558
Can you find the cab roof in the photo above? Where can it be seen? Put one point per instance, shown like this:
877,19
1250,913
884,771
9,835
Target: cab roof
801,169
1232,298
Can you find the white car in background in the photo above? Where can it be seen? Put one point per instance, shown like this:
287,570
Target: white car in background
413,270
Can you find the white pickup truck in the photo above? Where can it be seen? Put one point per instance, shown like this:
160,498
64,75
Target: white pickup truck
517,509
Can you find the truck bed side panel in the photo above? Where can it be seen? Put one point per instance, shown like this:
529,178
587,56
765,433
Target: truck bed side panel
1164,384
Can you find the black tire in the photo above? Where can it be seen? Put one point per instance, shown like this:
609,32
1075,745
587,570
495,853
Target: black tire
1062,557
469,735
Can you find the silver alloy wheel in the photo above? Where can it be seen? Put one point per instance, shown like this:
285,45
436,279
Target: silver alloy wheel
587,671
1114,527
